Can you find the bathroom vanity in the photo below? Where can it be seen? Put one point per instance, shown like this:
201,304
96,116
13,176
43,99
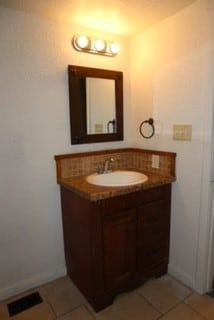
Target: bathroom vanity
114,238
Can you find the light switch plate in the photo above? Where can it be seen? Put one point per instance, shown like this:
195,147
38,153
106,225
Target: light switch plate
182,132
155,161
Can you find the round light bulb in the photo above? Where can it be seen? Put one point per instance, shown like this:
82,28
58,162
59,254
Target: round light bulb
82,42
99,45
114,47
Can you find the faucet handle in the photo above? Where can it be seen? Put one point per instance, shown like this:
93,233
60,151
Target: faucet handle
107,165
99,169
111,160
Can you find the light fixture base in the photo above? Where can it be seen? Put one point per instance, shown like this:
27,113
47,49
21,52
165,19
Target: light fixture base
86,44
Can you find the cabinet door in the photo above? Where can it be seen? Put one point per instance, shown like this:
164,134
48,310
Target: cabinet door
152,236
119,232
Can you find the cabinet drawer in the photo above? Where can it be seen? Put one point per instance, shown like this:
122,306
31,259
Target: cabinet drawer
120,203
153,216
153,194
152,253
133,200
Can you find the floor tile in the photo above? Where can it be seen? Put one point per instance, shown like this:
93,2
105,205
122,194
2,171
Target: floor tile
181,312
128,300
129,307
164,293
121,301
41,311
62,295
78,314
203,304
164,298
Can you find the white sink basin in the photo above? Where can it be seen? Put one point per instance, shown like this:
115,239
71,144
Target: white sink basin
117,178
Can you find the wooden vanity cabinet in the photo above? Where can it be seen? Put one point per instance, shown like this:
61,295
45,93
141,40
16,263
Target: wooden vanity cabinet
119,249
153,229
115,244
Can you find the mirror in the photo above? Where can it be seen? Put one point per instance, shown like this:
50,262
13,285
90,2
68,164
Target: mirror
96,104
100,105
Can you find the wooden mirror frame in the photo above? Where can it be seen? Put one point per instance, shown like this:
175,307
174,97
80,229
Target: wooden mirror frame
77,97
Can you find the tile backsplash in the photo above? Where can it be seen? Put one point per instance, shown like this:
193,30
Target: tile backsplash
78,164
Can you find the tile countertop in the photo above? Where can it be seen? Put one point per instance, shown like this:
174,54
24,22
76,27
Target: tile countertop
92,192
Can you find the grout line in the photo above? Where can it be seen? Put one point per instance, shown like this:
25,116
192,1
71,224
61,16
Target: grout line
89,311
52,307
193,309
184,302
154,307
68,312
47,300
171,308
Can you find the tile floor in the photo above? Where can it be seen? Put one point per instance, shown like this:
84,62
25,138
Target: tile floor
164,298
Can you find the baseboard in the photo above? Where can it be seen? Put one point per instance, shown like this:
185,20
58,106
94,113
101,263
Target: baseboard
181,276
30,283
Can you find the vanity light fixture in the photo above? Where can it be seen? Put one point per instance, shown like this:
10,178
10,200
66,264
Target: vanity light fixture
114,47
82,42
97,46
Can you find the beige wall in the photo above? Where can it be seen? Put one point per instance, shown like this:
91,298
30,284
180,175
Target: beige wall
34,126
172,81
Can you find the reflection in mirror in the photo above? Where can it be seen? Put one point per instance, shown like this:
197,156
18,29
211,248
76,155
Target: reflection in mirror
100,106
96,104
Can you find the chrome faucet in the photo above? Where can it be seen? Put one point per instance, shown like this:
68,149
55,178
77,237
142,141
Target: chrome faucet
106,167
